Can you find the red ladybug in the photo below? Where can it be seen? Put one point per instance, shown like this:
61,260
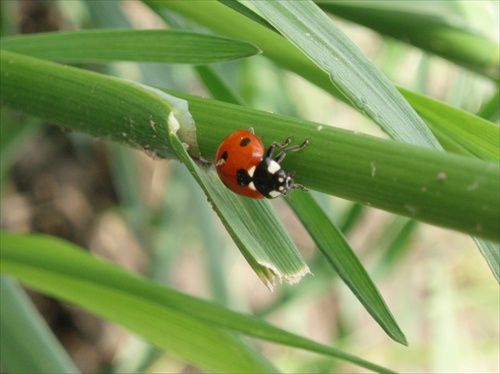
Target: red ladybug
247,169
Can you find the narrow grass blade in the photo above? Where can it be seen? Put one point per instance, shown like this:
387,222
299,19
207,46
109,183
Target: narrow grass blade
311,31
342,258
474,134
217,87
99,105
26,343
171,320
437,28
490,110
253,225
491,252
427,185
169,46
434,187
228,22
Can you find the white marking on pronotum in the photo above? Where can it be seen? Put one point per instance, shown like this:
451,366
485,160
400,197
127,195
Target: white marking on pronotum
251,171
252,186
281,180
273,167
274,193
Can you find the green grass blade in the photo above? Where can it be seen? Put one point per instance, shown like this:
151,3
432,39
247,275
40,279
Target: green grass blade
431,186
230,23
437,28
311,31
474,134
258,233
254,227
434,187
26,343
491,252
490,110
171,320
342,258
217,87
169,46
101,106
327,237
99,292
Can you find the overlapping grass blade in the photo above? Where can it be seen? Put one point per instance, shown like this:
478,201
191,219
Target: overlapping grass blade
311,31
254,227
431,186
275,47
189,327
436,27
168,46
61,270
457,127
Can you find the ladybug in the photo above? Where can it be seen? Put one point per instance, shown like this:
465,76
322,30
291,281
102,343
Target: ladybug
246,168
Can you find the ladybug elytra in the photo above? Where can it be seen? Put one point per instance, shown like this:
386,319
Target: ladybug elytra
247,169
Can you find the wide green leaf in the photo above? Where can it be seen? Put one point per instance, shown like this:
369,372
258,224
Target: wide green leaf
189,327
169,46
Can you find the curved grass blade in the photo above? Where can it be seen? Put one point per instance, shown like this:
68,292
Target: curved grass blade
342,258
327,238
474,134
168,46
253,225
311,31
64,271
427,185
169,319
436,28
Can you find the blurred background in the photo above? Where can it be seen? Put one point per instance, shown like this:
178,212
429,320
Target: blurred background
150,217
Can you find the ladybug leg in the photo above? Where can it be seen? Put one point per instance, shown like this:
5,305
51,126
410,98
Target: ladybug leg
275,145
294,148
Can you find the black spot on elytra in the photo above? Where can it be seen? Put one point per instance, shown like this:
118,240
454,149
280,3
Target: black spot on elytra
224,156
245,141
243,178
